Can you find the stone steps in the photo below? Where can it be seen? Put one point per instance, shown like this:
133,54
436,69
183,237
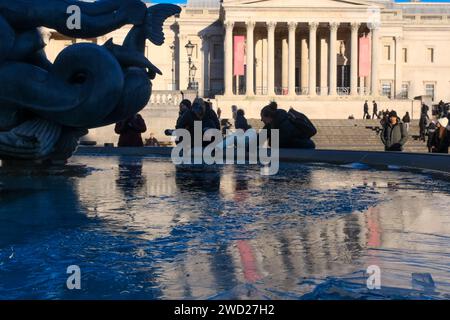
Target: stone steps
358,134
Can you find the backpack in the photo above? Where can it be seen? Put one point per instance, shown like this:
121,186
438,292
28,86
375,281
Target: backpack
302,123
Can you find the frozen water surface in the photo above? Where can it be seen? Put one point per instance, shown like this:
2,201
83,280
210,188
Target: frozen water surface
141,228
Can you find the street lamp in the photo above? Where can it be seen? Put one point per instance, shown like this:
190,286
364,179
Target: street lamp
192,71
189,49
172,48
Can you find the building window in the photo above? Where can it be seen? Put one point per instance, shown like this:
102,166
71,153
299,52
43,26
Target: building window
430,54
404,93
386,89
429,90
387,52
405,55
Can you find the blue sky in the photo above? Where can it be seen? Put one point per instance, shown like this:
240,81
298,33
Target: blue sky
184,1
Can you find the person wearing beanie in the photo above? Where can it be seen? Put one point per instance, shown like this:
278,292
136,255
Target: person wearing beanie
441,137
394,134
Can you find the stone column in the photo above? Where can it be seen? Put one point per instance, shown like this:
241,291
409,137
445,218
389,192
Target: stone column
333,58
374,71
291,63
228,76
284,65
323,66
398,66
304,64
312,57
250,91
354,60
271,58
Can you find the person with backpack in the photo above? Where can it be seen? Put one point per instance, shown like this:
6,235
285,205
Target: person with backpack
394,134
295,129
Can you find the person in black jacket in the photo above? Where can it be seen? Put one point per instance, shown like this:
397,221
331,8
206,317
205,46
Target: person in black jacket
241,122
198,112
211,115
406,120
290,136
366,110
394,134
441,137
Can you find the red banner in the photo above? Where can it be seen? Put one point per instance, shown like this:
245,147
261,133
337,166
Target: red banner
239,55
364,56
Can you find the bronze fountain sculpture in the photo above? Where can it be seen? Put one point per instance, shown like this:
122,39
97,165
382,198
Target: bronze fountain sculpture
46,107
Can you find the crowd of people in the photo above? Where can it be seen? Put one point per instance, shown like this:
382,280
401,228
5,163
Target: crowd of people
295,129
434,131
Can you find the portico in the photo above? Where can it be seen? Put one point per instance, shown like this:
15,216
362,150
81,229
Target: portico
296,48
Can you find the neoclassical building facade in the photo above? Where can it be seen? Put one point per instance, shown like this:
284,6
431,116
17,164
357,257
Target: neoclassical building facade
325,56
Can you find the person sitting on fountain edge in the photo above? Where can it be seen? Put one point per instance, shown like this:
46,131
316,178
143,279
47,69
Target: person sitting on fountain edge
198,112
290,135
394,134
241,122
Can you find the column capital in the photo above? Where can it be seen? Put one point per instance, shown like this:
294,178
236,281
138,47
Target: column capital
398,38
271,25
355,26
250,24
292,25
228,24
373,26
313,25
334,26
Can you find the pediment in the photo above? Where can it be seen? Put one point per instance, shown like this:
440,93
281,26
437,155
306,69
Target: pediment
345,4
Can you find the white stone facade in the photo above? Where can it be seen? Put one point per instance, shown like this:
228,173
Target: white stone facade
304,53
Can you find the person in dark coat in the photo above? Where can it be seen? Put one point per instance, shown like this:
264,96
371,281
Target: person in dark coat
441,137
196,113
431,128
394,134
406,120
211,115
422,125
130,131
366,110
289,135
374,110
241,121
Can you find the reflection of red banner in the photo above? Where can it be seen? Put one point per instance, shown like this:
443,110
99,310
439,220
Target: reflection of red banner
239,53
364,56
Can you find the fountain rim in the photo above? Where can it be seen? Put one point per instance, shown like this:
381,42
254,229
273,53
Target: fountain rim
376,159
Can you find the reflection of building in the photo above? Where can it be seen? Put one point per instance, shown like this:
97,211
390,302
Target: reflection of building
294,53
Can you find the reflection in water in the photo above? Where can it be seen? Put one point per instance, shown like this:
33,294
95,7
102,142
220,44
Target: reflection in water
143,228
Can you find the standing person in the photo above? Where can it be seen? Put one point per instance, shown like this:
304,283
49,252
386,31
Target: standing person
366,110
431,128
422,125
394,135
374,110
241,121
130,131
211,115
406,120
441,139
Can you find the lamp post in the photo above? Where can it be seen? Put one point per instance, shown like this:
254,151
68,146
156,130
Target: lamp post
189,49
172,48
192,71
